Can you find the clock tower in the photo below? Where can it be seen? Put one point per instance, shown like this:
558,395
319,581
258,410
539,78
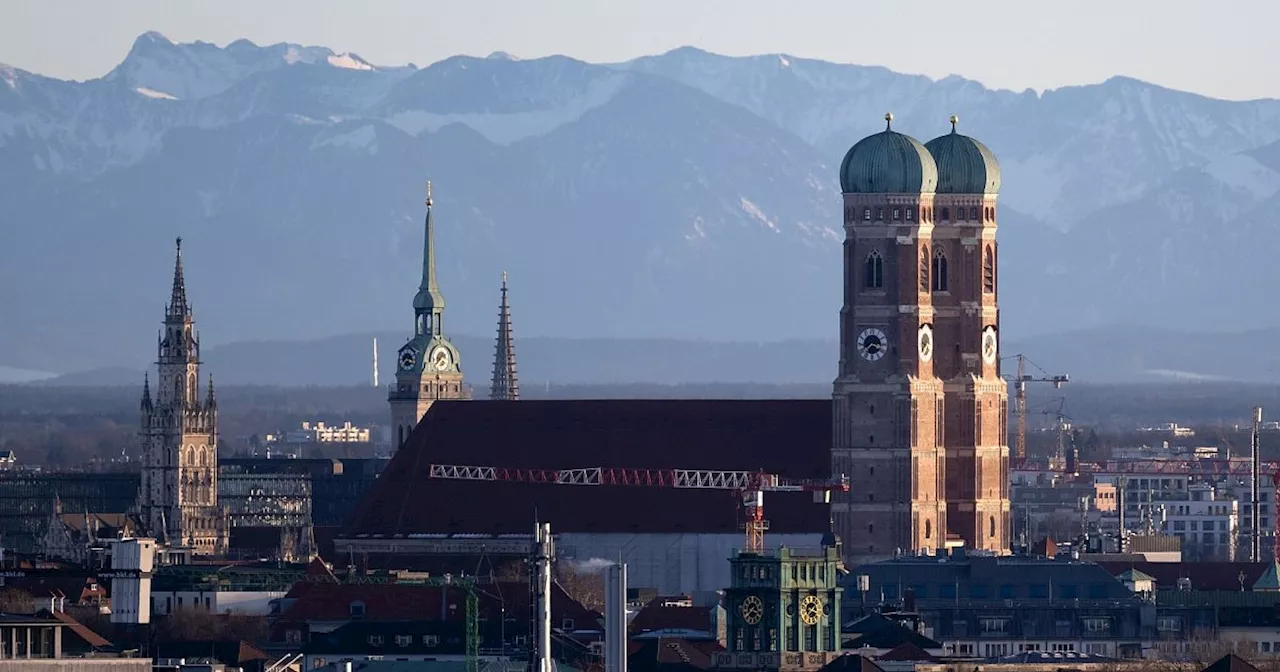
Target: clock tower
178,500
888,404
967,320
428,368
783,610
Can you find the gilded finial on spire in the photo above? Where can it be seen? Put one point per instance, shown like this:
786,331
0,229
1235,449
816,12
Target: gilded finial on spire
954,120
428,193
888,121
504,279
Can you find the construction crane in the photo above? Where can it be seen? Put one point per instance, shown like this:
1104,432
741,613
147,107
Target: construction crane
1066,438
1020,399
751,485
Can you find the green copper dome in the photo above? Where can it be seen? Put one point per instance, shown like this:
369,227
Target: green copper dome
888,163
965,166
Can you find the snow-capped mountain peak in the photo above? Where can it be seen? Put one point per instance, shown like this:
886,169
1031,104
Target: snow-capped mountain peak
195,70
349,61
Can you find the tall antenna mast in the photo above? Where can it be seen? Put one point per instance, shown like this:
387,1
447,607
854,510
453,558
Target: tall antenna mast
1255,534
375,361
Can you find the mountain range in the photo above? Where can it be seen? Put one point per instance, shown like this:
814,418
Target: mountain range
685,196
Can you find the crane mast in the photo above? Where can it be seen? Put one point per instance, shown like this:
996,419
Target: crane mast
1020,400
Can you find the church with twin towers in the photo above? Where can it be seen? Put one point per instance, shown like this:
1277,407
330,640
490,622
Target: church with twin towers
920,412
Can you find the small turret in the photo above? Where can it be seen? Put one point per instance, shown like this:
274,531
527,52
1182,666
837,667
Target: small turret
211,402
147,406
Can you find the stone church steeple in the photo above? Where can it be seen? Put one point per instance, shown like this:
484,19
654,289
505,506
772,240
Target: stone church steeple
505,385
428,367
178,502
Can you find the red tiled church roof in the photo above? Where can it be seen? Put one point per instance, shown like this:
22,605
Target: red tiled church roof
789,437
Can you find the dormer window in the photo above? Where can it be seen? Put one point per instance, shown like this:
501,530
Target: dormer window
946,214
375,640
356,609
973,213
880,214
897,214
866,214
910,214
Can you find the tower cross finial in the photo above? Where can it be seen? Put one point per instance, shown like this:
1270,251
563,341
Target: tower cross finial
428,193
888,121
954,120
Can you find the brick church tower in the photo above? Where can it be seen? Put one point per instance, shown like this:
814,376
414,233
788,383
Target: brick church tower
918,402
967,320
888,403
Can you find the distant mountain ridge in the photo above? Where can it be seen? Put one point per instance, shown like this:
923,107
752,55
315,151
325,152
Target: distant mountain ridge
1099,356
684,196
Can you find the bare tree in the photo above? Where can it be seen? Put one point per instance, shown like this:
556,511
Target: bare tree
194,624
16,601
587,588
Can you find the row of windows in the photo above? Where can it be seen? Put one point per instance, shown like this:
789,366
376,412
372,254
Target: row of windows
934,269
1007,591
926,214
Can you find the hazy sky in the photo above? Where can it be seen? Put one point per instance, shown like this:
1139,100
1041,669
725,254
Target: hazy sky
1222,49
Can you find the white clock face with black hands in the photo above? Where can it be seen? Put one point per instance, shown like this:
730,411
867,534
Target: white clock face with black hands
989,345
441,360
407,359
872,344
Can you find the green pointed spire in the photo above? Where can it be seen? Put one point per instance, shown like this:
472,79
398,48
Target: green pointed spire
429,300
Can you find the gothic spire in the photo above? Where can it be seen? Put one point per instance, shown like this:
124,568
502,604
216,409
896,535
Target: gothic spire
505,385
211,401
178,306
429,298
146,391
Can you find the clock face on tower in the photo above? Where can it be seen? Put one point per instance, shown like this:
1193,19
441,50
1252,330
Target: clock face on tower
408,358
872,344
810,610
989,345
925,342
441,359
752,610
